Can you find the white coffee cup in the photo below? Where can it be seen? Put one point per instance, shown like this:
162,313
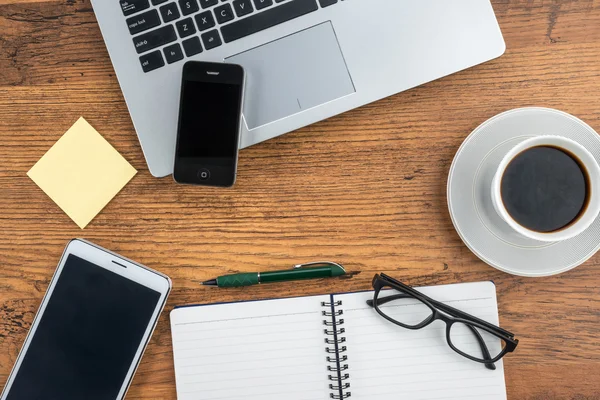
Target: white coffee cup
593,171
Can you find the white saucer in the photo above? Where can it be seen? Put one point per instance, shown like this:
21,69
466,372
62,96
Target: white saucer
469,194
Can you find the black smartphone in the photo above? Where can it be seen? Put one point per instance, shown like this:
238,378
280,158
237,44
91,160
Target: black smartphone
210,122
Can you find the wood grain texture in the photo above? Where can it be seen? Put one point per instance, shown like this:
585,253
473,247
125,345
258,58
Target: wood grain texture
366,189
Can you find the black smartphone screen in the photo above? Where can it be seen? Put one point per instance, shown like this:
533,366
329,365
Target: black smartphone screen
209,124
87,337
209,120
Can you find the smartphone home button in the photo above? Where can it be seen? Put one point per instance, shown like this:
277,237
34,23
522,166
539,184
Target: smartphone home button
203,174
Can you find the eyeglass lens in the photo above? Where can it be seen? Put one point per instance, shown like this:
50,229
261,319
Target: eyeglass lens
403,308
467,339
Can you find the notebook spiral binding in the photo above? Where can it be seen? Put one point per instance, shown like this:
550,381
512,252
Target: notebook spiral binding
334,332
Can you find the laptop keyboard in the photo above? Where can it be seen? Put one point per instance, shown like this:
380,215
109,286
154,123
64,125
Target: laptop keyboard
202,24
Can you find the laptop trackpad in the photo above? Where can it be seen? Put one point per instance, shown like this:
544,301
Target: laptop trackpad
293,74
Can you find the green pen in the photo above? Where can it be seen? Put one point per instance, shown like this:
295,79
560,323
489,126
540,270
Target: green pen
313,270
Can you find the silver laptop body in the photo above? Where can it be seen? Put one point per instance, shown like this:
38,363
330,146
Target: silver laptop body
306,60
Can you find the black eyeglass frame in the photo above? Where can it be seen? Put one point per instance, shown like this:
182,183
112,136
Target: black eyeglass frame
445,313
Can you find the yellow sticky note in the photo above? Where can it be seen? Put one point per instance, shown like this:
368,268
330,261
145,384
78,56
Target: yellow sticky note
82,172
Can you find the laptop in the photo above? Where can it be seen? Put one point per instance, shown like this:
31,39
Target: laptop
305,60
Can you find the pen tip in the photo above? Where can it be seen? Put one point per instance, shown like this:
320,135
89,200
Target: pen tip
212,282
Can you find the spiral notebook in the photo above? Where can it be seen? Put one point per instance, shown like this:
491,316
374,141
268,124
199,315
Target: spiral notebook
328,347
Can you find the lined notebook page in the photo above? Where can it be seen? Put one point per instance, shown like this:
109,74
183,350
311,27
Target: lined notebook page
387,361
267,350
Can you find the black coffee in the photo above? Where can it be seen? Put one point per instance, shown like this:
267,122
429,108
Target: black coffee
545,189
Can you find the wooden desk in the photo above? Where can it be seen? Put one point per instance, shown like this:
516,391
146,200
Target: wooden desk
366,188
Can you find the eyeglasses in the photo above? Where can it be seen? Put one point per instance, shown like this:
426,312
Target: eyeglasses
467,335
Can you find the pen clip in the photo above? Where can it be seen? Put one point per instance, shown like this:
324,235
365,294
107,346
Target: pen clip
317,263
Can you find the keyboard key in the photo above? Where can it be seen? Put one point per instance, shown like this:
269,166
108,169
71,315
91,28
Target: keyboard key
327,3
169,12
151,61
155,38
205,21
211,39
224,13
173,53
132,6
260,4
188,6
242,7
157,2
267,19
208,3
192,46
185,27
143,22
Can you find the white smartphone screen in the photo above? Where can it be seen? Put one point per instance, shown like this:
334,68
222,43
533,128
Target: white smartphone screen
87,337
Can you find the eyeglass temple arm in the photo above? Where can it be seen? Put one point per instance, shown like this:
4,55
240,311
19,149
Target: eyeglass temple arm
461,314
484,350
444,307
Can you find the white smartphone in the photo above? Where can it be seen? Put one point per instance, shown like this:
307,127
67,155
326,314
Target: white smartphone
91,329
